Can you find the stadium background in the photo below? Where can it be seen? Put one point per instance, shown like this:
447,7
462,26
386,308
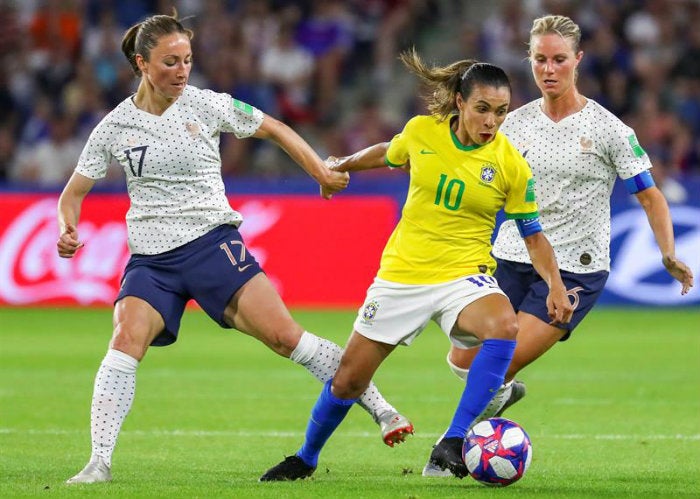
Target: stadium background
329,69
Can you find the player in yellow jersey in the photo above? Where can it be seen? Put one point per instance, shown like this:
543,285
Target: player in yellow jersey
455,191
437,263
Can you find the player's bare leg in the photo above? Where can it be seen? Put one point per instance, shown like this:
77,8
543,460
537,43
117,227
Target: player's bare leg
274,326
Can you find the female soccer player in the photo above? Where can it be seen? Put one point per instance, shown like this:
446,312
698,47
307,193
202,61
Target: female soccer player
183,233
576,149
437,263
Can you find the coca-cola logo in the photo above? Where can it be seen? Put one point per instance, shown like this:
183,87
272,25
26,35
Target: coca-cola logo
31,271
258,218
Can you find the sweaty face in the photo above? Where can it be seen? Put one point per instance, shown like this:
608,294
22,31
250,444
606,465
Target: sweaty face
169,65
553,63
482,114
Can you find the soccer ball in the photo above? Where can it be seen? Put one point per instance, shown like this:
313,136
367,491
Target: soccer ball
497,452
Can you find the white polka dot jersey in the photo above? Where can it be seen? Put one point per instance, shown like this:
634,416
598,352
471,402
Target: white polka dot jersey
574,162
172,164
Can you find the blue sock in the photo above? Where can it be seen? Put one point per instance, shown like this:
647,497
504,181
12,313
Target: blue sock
486,375
326,415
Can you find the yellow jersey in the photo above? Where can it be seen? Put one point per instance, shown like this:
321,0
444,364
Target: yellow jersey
454,194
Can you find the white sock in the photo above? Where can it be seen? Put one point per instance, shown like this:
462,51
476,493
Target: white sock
460,372
112,396
322,358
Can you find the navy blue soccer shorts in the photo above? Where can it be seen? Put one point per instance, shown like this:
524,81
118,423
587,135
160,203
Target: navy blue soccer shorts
209,270
528,292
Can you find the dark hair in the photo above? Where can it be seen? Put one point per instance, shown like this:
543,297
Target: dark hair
443,82
143,36
483,73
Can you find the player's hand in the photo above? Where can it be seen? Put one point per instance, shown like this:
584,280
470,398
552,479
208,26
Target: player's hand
68,243
680,271
332,163
334,182
338,164
559,306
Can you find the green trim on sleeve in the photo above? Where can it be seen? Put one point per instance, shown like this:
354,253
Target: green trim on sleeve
522,216
390,164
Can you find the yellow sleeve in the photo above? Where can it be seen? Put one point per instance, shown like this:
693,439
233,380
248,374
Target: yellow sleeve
397,155
520,199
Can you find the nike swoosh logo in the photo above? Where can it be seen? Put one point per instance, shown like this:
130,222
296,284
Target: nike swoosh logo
425,151
241,269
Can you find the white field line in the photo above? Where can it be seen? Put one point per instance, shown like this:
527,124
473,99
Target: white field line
298,434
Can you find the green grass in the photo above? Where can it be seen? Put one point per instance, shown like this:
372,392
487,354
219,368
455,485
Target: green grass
614,412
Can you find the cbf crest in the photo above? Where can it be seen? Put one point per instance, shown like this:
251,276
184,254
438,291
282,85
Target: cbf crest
488,173
370,311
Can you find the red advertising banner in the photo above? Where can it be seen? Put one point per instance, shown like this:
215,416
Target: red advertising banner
316,252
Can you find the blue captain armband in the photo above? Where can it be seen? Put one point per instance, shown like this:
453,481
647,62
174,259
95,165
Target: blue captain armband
528,226
639,182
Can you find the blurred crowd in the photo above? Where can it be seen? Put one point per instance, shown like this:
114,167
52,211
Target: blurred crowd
641,61
329,68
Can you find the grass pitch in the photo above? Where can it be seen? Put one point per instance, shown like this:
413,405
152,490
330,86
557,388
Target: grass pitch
614,412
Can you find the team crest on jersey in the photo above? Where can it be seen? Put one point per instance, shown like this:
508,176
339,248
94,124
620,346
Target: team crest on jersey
369,312
193,129
488,173
586,144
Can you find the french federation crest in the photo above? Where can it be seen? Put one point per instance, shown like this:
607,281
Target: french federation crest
193,129
370,311
488,172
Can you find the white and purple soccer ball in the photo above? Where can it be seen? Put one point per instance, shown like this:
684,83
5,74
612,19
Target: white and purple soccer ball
497,452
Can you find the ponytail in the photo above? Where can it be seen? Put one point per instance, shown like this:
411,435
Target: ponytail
442,82
143,36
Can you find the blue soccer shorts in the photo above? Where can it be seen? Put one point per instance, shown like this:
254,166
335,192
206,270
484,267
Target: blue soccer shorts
208,270
528,292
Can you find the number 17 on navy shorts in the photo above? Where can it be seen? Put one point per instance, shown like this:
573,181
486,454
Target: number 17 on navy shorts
209,270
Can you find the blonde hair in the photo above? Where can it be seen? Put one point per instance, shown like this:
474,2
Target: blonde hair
143,36
561,25
443,82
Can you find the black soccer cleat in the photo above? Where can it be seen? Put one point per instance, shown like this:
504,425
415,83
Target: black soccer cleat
447,454
292,468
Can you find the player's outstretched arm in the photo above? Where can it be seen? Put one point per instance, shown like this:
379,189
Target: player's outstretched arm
659,216
69,205
303,154
366,159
